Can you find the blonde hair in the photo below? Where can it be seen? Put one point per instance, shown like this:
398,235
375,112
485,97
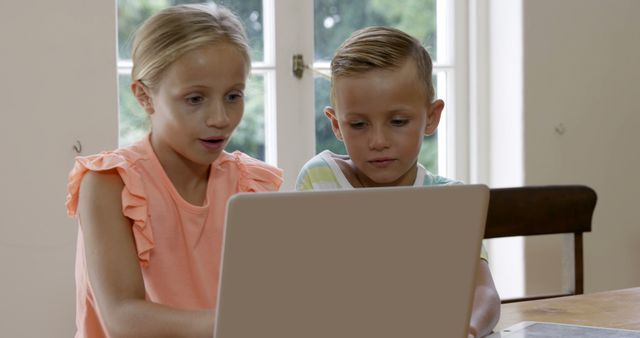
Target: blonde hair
170,33
380,47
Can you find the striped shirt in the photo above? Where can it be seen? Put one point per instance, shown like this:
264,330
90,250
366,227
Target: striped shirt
323,173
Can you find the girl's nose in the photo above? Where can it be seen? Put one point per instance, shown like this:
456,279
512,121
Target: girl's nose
217,116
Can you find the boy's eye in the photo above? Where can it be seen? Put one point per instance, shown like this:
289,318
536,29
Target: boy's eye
399,122
357,125
195,99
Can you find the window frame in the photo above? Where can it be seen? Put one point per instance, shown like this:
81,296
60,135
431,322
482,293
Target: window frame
289,101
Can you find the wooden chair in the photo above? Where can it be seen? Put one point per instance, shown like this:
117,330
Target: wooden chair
543,210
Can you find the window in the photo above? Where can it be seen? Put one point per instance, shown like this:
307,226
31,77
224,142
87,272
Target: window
284,124
282,138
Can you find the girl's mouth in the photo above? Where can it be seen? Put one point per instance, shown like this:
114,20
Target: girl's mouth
212,143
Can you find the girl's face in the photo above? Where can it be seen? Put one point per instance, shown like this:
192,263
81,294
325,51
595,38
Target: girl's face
382,116
197,104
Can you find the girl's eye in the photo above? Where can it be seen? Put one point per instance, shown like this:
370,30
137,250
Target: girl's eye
357,125
399,122
195,99
235,96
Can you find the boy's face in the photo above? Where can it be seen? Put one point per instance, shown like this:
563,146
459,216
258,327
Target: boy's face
382,116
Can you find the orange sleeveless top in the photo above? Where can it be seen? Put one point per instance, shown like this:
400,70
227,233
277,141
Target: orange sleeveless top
178,244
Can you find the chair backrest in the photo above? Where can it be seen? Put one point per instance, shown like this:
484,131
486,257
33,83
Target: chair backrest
544,210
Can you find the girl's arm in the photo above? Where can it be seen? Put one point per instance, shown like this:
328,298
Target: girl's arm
114,270
486,303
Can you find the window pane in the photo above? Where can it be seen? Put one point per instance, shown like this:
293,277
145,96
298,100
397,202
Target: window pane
250,12
131,13
335,20
133,122
324,135
249,135
429,152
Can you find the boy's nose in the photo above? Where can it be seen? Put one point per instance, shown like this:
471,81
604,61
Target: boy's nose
379,140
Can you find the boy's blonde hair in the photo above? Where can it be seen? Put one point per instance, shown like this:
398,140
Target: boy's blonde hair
170,33
380,47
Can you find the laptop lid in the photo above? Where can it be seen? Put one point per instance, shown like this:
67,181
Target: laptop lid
377,262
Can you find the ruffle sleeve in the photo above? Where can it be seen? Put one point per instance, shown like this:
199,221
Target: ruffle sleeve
134,201
255,175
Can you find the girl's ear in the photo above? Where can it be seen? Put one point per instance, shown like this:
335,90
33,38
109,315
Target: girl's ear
330,113
143,96
433,117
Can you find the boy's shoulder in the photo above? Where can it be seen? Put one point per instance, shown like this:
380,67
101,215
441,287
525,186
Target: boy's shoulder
319,173
433,180
324,159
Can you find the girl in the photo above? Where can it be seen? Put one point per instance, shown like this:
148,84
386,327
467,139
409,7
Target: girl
151,214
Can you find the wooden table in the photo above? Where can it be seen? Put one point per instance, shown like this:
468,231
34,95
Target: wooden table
613,309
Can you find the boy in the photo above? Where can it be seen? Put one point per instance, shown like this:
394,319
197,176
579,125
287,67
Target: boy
383,104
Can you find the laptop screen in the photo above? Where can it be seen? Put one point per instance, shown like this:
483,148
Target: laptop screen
383,262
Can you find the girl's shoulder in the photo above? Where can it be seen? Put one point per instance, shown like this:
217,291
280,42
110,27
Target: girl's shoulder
253,175
122,160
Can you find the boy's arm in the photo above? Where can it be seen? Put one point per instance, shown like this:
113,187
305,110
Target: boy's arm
486,303
114,271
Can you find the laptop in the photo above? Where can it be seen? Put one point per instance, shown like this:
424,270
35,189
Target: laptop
532,329
375,263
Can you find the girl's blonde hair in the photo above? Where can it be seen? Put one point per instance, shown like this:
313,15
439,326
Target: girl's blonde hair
170,33
380,47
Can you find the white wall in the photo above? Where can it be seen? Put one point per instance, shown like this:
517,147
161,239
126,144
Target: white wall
57,84
579,75
581,71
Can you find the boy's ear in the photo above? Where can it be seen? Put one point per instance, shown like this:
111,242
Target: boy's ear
330,113
143,96
433,116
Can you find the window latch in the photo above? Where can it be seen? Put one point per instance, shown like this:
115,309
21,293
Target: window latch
298,67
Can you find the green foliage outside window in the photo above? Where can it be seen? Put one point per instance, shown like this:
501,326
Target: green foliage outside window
334,21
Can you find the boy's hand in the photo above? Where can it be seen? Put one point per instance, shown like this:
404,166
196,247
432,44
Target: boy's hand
473,333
